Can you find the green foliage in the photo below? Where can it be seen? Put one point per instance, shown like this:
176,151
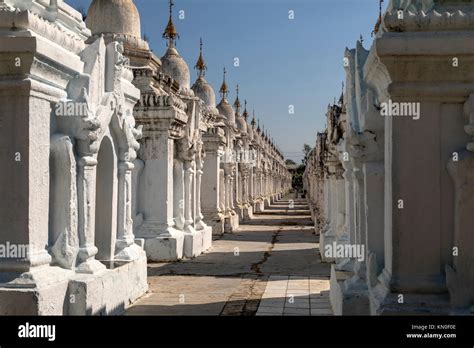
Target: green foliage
306,151
297,180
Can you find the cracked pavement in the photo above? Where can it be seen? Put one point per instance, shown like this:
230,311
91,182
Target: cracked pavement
232,277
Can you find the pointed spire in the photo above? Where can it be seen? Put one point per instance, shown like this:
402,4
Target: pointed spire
341,99
201,65
245,114
170,32
258,128
379,21
237,102
253,120
224,91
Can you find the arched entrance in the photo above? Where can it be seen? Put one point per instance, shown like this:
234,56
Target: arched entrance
105,209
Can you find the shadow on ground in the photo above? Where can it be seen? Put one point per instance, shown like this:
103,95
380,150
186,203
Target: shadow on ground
232,278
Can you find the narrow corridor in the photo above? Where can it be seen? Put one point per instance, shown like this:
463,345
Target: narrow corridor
271,266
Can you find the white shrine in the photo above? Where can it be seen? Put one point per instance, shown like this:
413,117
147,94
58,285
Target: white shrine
396,184
112,158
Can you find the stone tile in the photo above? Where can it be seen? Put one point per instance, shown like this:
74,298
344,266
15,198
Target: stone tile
319,305
297,311
318,296
278,310
321,312
273,296
293,278
277,285
298,290
272,302
276,292
298,304
294,315
218,282
276,278
262,314
297,293
298,283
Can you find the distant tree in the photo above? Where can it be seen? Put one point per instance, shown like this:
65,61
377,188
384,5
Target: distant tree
297,181
290,162
306,151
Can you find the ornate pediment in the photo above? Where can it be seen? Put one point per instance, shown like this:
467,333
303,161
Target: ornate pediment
423,15
412,5
99,98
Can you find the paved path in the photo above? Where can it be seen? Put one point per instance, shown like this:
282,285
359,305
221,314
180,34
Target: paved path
270,267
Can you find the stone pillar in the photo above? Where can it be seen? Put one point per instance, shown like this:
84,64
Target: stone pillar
86,216
460,276
193,243
188,197
212,195
262,191
232,219
201,227
228,187
329,233
126,249
360,218
349,225
199,219
248,208
234,183
178,194
222,191
266,196
162,240
251,180
24,182
341,235
374,200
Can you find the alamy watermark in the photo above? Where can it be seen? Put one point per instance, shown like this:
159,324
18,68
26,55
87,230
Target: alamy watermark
345,251
14,251
405,109
71,108
37,331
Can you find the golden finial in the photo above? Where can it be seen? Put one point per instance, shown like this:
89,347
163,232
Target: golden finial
245,114
224,89
237,100
201,65
379,21
170,32
341,99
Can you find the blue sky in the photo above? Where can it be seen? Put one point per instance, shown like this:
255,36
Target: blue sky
282,62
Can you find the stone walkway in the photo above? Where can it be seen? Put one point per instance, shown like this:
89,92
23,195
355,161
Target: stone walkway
270,267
